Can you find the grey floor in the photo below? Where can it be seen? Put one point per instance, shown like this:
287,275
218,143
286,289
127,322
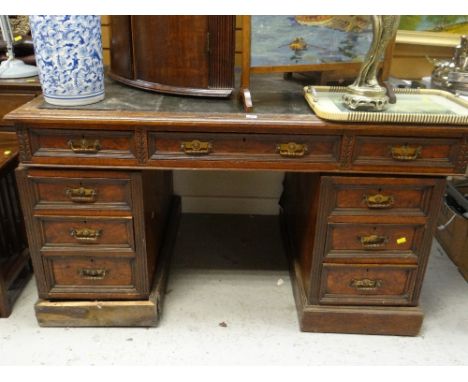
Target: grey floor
240,281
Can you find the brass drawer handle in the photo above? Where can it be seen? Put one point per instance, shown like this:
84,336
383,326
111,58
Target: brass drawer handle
405,152
379,201
83,146
373,241
292,149
92,274
87,235
365,284
196,147
81,194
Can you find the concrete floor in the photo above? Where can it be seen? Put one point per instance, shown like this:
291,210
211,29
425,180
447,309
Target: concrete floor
236,279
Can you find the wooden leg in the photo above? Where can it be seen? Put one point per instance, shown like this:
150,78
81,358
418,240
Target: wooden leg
246,100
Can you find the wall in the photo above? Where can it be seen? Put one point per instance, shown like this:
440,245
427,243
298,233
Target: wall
258,193
409,60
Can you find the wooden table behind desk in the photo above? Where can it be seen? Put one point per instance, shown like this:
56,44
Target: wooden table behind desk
14,255
14,93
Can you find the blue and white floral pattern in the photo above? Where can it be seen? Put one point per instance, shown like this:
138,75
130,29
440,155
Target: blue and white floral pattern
69,57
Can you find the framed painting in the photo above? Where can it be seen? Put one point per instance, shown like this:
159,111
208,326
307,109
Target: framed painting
304,44
435,30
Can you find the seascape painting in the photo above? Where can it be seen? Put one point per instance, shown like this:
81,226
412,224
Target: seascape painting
309,40
457,24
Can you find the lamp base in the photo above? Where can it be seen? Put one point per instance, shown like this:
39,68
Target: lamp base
14,68
369,98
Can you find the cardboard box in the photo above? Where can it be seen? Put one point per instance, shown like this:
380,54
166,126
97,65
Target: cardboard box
454,237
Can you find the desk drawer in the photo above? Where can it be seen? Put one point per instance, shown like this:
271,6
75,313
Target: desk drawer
406,152
367,284
370,238
88,146
88,233
98,190
380,196
90,277
258,147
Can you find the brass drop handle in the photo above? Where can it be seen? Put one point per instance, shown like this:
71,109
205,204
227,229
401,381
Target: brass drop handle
92,274
81,194
365,284
405,152
373,241
379,201
292,149
83,146
86,235
196,147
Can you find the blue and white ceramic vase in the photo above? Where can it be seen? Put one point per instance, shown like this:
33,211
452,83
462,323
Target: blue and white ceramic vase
68,53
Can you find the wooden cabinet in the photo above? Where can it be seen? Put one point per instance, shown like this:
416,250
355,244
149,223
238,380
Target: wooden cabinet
188,55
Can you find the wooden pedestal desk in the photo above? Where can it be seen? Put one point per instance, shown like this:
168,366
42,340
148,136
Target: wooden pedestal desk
358,209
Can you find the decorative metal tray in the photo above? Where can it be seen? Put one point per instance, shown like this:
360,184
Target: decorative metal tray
427,106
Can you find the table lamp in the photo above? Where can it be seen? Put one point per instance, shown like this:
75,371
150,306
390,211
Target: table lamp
12,67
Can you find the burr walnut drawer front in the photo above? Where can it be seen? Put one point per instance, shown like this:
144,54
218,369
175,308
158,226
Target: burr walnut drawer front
90,275
369,239
406,152
85,189
90,146
367,284
261,147
88,233
377,196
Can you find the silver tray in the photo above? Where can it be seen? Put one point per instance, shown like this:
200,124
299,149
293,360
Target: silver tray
426,106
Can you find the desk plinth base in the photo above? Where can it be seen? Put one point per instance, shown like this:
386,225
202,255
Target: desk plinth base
398,321
137,313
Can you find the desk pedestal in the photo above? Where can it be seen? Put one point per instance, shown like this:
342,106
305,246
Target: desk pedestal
144,313
358,249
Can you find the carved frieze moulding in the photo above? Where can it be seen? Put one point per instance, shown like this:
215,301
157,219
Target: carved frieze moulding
347,148
462,159
141,145
24,144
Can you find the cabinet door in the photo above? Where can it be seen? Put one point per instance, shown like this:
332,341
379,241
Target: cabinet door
171,50
121,52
